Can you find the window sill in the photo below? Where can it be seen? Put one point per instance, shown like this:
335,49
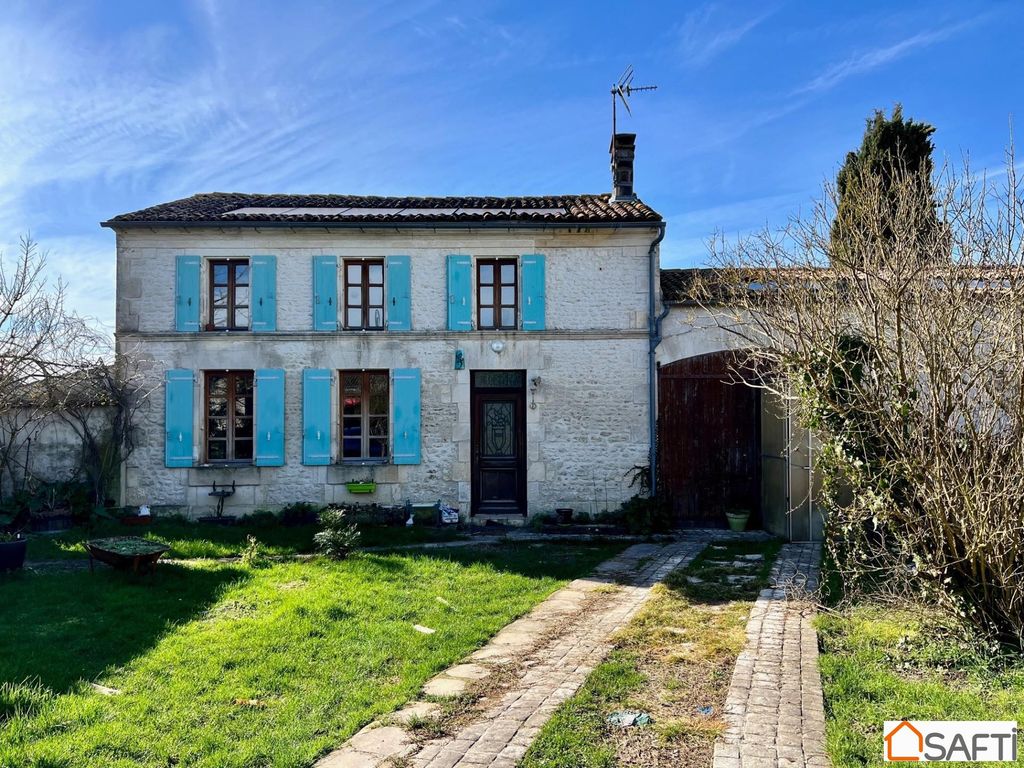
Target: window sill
362,462
224,465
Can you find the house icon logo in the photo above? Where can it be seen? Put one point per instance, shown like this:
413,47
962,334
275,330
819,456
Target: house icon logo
904,743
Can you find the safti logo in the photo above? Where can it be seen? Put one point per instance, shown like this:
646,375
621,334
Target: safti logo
943,741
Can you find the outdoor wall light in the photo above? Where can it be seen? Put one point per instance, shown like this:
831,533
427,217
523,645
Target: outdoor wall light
460,360
534,386
498,347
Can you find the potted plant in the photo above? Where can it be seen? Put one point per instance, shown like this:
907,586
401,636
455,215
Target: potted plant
737,518
361,486
12,551
564,515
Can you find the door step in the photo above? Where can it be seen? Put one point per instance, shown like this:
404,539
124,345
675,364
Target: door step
512,521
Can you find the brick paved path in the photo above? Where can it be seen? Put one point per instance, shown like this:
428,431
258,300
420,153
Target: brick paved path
774,707
554,671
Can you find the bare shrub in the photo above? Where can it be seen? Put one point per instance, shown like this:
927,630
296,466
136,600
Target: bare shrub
902,345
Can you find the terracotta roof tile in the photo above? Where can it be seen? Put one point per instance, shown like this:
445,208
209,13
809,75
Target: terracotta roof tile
228,208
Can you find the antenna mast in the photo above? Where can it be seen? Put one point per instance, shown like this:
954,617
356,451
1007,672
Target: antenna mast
623,90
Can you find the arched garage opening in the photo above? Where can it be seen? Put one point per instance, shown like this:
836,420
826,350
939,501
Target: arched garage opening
709,440
723,444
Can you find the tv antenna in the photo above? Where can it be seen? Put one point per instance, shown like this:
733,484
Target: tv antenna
623,90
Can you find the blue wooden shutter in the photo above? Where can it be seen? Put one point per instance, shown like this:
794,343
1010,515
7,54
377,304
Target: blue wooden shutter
316,416
186,293
178,417
405,418
460,293
399,309
264,293
269,417
532,277
325,293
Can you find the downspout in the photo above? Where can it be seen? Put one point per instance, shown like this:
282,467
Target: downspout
654,338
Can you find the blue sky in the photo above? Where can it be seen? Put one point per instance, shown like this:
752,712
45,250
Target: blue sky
108,107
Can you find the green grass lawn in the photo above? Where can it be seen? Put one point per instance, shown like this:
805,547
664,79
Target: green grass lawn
219,664
675,656
881,664
190,540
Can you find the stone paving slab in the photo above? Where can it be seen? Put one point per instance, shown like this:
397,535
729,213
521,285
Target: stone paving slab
774,708
558,645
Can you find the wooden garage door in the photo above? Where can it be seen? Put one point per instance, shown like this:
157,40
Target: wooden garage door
709,440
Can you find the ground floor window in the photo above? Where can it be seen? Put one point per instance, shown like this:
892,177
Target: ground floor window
364,415
229,416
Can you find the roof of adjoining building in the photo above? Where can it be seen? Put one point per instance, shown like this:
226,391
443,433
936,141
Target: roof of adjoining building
677,285
218,208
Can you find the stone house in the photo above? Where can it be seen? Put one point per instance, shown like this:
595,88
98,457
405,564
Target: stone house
495,353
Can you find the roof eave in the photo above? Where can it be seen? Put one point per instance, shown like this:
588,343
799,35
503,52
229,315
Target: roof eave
116,224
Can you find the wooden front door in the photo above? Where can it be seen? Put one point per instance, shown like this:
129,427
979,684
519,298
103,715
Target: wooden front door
499,442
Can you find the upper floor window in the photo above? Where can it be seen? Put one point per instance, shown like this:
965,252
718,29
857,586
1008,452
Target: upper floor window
364,415
229,295
364,294
229,416
496,294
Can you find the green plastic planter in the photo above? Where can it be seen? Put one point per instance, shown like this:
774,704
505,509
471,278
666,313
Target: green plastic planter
361,487
737,520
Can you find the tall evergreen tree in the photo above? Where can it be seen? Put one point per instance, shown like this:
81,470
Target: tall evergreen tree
885,192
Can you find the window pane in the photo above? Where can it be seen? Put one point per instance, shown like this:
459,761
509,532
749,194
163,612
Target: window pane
243,428
220,318
486,295
508,296
354,318
376,318
376,297
243,385
242,274
378,448
241,318
378,394
218,386
216,450
352,382
486,273
352,405
378,426
220,274
218,428
355,273
352,441
218,407
220,296
241,296
508,317
243,449
377,273
508,274
486,317
354,295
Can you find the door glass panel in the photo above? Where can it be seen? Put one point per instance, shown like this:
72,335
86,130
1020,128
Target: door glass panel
498,379
497,436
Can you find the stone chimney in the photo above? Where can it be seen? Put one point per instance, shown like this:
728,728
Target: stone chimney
623,148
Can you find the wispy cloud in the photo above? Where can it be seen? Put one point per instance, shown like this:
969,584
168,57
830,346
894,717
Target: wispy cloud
706,33
875,58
